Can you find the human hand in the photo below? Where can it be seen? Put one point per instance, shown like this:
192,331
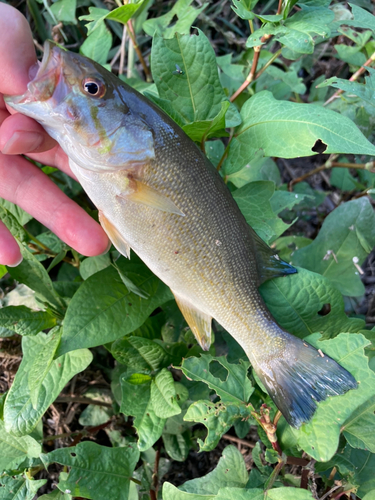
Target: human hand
21,182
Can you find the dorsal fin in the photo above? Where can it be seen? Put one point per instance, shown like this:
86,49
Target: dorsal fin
269,265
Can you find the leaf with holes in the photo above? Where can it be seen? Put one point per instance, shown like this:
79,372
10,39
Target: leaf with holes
228,380
96,472
288,130
306,303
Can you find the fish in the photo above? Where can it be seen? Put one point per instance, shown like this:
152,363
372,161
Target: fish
159,196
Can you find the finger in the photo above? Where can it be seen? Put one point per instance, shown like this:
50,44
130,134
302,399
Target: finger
20,134
10,254
24,184
15,63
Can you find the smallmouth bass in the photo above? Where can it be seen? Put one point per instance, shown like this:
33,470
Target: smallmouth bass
158,195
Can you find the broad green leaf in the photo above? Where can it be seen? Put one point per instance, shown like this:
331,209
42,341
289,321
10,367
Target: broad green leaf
217,417
364,91
19,487
32,273
96,472
65,11
236,387
289,130
229,472
21,216
12,224
121,14
140,353
289,494
103,309
204,129
15,451
295,302
98,44
20,417
171,492
359,427
163,395
177,446
298,32
343,179
345,239
93,265
56,495
42,364
136,401
25,321
362,18
195,94
243,8
254,202
258,169
185,13
350,55
320,437
282,200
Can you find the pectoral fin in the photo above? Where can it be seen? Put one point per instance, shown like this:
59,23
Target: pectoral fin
199,322
114,235
146,195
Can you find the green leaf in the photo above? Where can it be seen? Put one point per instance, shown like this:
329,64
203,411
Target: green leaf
25,321
254,202
163,395
202,130
19,488
185,13
20,417
359,427
32,273
136,401
170,492
217,417
65,11
14,451
345,238
364,91
243,8
241,494
298,32
177,446
12,224
103,309
94,415
98,44
96,471
121,14
195,94
236,388
93,265
320,437
289,130
21,216
289,494
42,364
229,472
296,301
258,169
140,353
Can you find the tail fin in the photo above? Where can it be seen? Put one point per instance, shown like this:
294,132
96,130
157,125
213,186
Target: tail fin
302,378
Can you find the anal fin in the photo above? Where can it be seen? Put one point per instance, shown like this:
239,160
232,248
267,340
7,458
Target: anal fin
114,235
146,195
199,322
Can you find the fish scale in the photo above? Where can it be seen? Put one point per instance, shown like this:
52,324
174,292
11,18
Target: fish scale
158,195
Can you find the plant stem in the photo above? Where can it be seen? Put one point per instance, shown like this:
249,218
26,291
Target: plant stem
238,440
82,400
132,35
370,166
353,78
276,471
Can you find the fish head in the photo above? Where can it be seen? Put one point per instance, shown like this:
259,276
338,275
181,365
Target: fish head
83,106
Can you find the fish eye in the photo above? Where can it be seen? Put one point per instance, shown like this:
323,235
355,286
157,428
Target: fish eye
93,87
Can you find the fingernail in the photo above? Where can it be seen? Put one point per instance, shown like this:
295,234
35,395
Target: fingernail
17,263
22,142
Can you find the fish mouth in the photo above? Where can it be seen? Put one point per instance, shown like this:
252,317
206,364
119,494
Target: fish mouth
47,85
